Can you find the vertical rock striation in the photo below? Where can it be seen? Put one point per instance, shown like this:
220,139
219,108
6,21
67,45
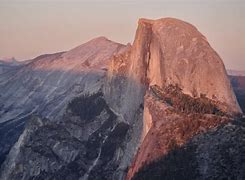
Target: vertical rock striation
170,51
184,79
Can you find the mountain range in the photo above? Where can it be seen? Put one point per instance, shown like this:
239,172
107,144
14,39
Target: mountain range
161,108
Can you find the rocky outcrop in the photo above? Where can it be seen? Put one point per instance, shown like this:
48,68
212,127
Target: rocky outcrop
166,52
177,65
177,53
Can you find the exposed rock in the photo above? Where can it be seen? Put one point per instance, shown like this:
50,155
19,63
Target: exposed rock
173,53
176,118
167,88
48,82
177,53
165,52
85,144
215,154
45,85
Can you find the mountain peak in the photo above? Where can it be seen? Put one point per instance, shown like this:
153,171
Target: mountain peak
100,38
175,52
145,20
98,41
95,54
165,22
172,56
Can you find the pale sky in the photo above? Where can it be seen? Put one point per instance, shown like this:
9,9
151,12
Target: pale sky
29,28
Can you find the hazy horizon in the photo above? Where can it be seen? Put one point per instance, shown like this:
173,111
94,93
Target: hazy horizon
29,28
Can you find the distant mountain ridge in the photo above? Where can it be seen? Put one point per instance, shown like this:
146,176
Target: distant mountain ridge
235,73
8,60
237,79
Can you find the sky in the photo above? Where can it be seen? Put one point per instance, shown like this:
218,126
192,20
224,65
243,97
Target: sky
29,28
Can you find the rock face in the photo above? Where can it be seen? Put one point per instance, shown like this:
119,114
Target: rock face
85,144
215,154
175,119
103,107
185,80
48,83
45,84
176,52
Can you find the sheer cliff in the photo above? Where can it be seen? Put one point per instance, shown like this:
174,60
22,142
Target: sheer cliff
187,91
170,51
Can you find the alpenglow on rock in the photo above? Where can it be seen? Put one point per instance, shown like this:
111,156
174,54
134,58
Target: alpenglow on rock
46,84
102,106
186,83
167,52
175,52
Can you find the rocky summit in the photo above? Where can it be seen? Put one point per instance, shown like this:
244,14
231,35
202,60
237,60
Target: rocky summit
161,108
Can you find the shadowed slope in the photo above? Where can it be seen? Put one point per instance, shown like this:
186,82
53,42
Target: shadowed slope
215,155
